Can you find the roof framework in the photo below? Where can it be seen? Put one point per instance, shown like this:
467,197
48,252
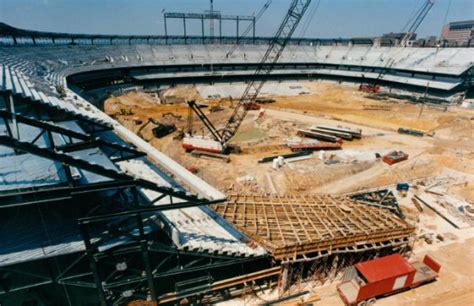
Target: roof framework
293,226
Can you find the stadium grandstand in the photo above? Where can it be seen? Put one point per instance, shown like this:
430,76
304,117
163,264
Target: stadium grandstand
91,213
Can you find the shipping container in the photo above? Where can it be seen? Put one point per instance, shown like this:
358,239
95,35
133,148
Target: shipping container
386,275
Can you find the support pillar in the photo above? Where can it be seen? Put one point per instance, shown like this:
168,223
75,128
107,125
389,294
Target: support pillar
237,33
284,277
93,264
146,259
220,29
253,27
202,29
11,109
166,30
184,28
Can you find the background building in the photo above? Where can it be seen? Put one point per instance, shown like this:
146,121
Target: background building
458,33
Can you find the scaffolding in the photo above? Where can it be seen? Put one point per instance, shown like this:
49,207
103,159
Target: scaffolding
296,228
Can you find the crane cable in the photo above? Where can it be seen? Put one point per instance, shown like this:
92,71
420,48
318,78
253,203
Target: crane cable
307,23
447,13
310,19
415,13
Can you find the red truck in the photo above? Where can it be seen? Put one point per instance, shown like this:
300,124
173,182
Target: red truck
387,275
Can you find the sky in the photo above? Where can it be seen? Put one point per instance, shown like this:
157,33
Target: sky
333,18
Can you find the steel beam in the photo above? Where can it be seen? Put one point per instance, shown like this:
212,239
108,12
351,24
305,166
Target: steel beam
94,168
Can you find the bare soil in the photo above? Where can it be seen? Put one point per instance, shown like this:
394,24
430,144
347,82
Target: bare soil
451,148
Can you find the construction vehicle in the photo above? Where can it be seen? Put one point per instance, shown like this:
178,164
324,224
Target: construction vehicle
219,139
370,87
364,282
395,157
410,132
161,130
420,15
216,108
172,115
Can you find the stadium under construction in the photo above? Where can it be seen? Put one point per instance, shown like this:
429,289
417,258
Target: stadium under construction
100,208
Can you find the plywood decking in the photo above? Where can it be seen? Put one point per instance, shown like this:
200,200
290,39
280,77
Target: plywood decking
290,226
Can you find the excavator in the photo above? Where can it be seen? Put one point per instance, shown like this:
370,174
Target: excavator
217,141
420,15
160,131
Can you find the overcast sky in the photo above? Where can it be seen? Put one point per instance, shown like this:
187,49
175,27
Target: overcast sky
333,18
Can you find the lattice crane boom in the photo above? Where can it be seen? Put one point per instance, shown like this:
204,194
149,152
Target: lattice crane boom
250,27
280,40
413,26
420,16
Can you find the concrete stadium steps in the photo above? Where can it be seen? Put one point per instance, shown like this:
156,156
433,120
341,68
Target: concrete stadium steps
444,60
15,83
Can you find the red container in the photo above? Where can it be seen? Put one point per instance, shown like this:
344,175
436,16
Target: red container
395,157
384,276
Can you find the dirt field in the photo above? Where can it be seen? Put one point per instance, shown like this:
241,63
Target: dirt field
449,153
452,145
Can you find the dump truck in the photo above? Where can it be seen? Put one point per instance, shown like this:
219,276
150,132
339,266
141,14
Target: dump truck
366,281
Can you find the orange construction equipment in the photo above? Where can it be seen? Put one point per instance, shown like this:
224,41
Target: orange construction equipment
369,88
252,106
395,157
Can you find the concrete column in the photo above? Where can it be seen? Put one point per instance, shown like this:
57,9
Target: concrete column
202,29
237,33
284,277
220,28
166,30
184,27
253,27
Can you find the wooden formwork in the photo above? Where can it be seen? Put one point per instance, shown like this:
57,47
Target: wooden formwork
293,226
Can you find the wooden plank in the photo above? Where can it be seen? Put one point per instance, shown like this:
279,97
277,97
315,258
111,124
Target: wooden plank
291,226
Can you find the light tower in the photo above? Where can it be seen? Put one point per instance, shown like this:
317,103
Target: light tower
211,20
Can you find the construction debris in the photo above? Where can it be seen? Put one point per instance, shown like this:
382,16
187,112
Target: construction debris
200,153
417,204
313,145
291,155
378,107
